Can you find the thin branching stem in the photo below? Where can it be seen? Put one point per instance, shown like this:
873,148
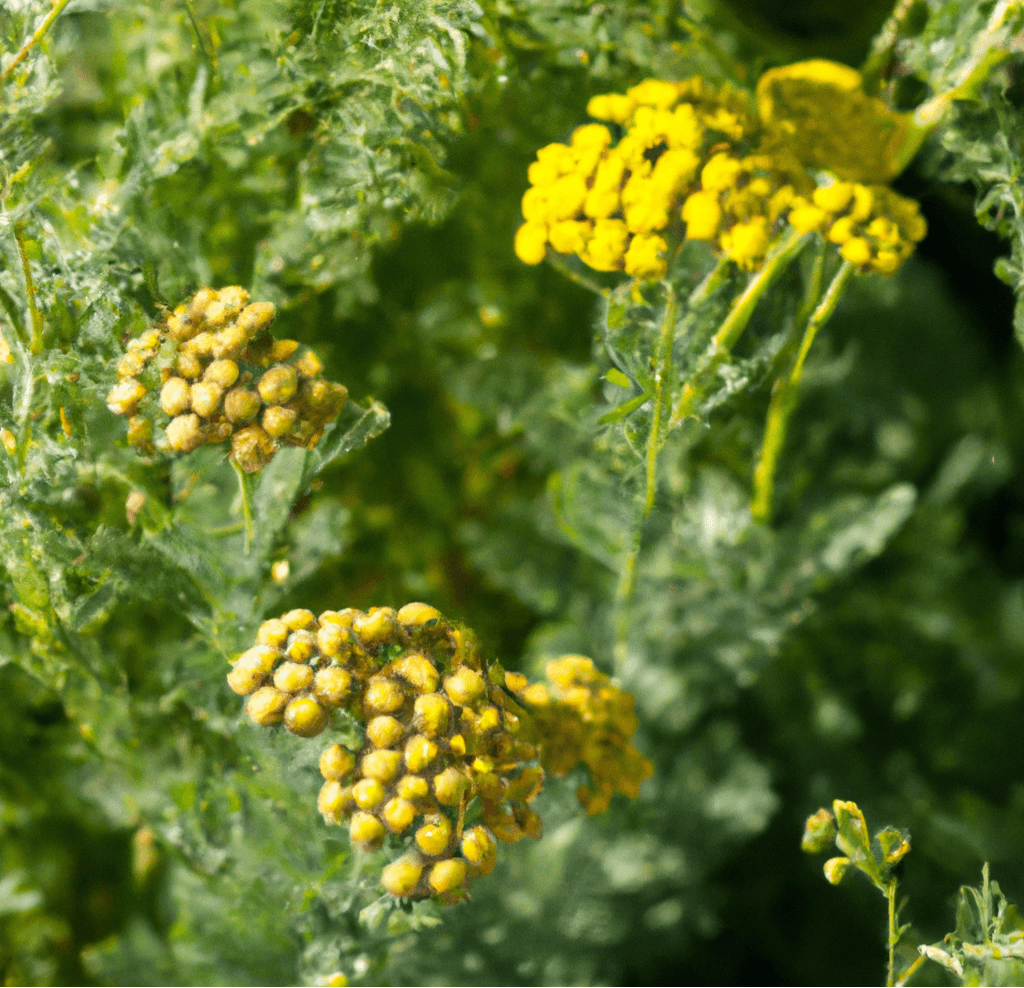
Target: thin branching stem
775,263
245,494
36,344
663,367
890,895
662,370
910,971
36,37
783,400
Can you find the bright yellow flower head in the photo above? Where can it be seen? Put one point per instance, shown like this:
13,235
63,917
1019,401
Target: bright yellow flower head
645,257
694,162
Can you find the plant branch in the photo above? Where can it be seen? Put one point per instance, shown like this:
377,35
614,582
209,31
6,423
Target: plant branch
36,344
663,367
783,400
36,37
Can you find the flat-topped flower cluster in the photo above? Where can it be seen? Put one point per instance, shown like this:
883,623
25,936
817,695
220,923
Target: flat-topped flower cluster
222,378
684,160
454,749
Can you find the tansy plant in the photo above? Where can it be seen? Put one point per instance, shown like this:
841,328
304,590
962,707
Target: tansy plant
309,310
987,946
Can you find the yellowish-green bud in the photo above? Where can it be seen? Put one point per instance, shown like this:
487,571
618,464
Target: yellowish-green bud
401,877
434,838
336,763
266,706
305,717
291,677
448,875
366,831
331,686
385,731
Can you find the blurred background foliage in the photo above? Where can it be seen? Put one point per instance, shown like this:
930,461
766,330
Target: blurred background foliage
360,165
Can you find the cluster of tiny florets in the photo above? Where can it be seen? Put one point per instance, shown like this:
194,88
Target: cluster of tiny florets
581,716
875,228
450,759
213,374
695,163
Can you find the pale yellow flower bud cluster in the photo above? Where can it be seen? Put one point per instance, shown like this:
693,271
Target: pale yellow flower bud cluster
697,163
443,737
582,717
222,378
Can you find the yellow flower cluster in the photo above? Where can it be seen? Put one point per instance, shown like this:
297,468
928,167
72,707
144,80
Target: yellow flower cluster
444,739
609,205
223,378
875,228
581,716
701,156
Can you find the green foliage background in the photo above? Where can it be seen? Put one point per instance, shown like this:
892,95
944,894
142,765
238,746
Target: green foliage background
360,165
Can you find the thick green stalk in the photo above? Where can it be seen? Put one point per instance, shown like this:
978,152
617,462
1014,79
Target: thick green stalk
783,400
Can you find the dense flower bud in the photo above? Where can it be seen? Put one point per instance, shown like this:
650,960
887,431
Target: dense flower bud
176,396
291,677
464,686
413,787
383,696
305,717
449,786
241,406
366,831
336,763
368,793
401,877
431,714
332,686
266,706
418,616
436,748
273,632
399,814
478,845
125,397
384,731
448,875
335,801
252,449
381,764
419,753
434,838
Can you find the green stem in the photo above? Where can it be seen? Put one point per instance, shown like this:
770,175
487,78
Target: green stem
990,48
788,246
885,41
909,972
663,367
775,263
890,894
666,338
573,275
243,485
36,345
783,400
39,32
